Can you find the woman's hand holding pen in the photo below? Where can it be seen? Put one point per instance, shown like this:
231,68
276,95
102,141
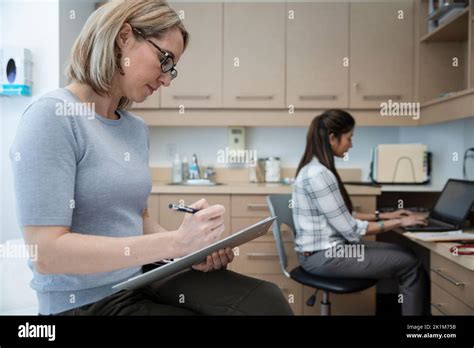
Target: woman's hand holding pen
201,229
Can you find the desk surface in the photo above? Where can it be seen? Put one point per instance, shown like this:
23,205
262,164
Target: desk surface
442,248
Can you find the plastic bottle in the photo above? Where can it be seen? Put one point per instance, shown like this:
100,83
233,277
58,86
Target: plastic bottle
177,170
185,170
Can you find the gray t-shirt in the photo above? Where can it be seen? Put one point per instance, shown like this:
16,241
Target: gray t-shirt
73,167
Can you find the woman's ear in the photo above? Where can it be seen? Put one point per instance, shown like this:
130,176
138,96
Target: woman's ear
333,140
124,35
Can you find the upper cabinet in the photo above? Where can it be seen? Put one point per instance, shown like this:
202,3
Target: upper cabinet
254,55
381,53
199,81
317,71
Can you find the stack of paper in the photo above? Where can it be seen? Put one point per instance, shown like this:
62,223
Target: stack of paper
441,236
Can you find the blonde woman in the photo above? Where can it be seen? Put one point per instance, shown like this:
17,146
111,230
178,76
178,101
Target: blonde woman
80,164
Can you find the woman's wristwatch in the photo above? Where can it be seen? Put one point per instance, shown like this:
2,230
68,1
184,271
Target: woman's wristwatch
377,215
381,225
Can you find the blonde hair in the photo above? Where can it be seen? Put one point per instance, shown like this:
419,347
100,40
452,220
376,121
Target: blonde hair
95,56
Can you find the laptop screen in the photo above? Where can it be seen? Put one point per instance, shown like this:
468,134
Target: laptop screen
455,201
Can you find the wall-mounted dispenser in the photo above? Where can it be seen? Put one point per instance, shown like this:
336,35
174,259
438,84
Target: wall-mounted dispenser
16,75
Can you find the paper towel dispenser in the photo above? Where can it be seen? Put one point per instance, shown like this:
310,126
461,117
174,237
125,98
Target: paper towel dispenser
15,71
400,164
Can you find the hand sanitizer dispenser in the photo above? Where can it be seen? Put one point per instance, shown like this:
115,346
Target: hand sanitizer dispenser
15,71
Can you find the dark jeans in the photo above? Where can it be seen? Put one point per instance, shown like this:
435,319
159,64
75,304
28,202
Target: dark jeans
194,293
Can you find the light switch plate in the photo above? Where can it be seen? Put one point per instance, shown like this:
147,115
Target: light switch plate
236,138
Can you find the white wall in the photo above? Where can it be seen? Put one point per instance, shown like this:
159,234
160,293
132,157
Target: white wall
442,139
72,16
447,141
286,143
35,26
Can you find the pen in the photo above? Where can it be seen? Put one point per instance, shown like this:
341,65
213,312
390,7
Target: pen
182,208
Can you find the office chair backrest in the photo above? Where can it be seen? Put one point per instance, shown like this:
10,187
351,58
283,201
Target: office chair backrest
279,206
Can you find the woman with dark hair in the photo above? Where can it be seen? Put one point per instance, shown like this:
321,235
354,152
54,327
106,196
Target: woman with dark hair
326,224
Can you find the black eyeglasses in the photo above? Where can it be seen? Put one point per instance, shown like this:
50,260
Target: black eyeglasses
167,62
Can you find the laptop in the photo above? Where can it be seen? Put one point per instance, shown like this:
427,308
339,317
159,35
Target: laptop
451,209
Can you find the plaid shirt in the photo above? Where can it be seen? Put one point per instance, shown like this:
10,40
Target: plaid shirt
321,217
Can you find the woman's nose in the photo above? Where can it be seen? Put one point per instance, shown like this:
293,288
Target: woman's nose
165,79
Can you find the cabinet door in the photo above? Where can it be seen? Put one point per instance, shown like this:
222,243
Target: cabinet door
381,53
199,81
152,102
317,73
171,219
254,55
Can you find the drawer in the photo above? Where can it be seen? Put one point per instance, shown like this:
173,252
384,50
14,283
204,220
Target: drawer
446,304
364,204
292,290
453,278
238,224
261,258
249,206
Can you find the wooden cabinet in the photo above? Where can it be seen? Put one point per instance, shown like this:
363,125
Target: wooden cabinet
199,81
364,204
317,46
171,219
452,287
254,55
381,53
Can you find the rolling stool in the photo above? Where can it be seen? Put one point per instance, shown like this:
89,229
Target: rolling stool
279,207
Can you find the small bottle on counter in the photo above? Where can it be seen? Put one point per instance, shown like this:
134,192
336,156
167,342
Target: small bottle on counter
272,169
185,170
177,170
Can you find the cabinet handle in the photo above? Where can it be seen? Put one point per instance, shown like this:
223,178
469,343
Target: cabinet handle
257,206
262,256
382,97
356,207
192,97
447,277
318,97
439,308
254,97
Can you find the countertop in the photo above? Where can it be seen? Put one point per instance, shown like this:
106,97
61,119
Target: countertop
442,248
160,187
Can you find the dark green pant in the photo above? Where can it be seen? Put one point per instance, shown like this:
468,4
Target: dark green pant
194,293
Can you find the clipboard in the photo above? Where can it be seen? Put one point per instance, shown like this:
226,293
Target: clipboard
236,239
